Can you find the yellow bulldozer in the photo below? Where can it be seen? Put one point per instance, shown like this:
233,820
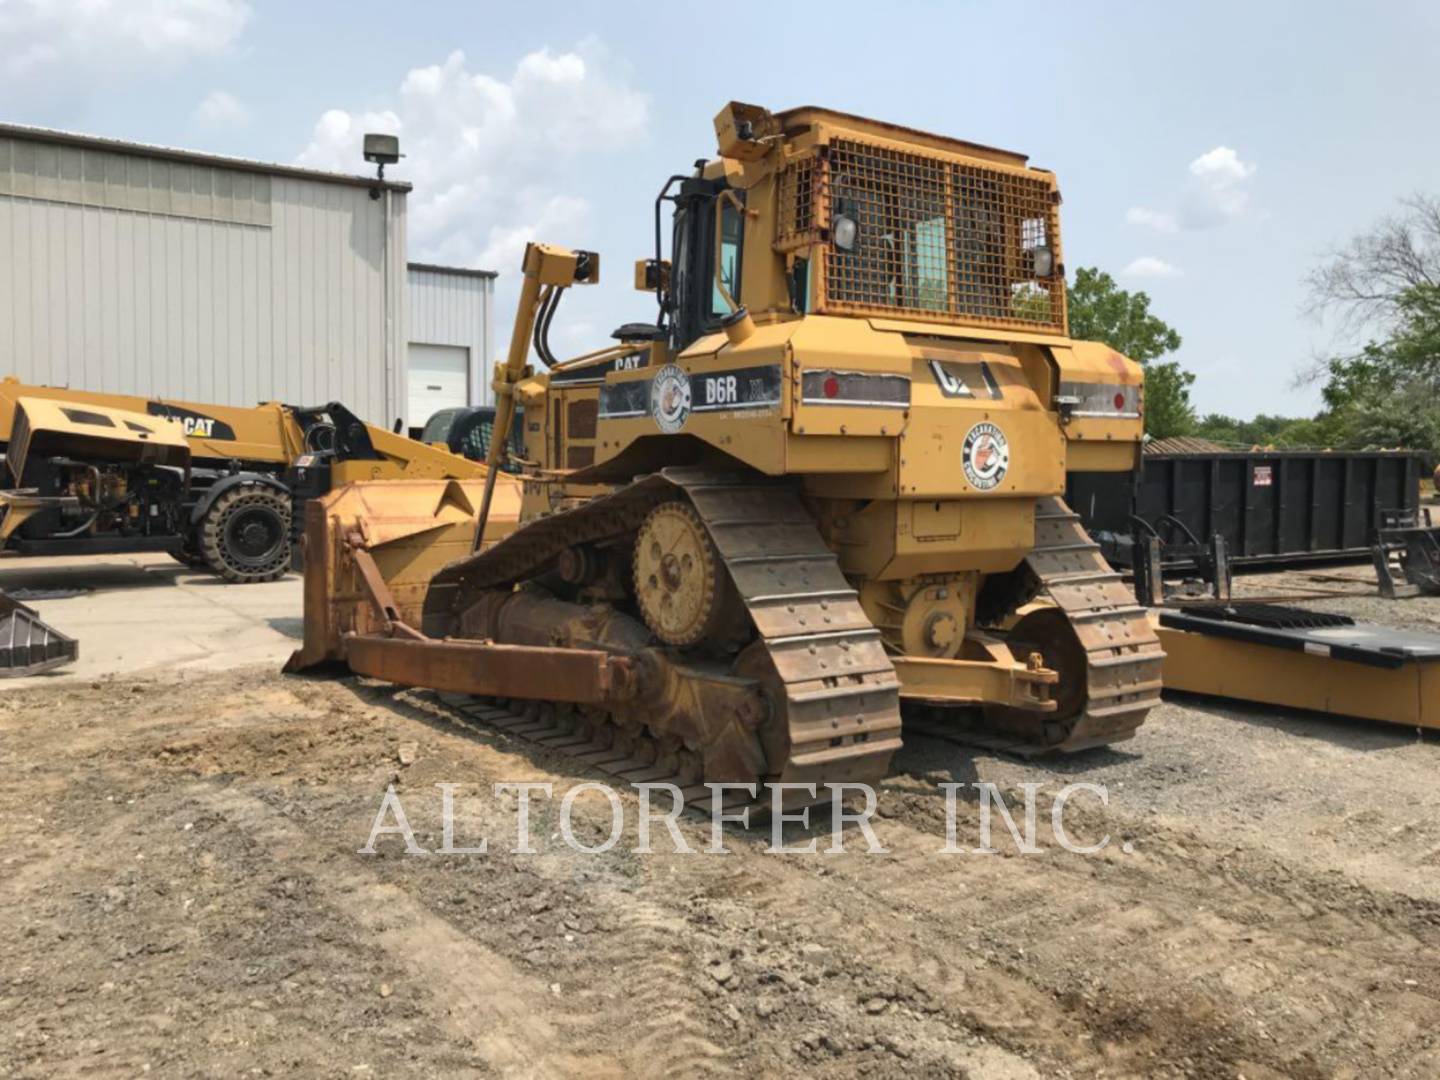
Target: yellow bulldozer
822,487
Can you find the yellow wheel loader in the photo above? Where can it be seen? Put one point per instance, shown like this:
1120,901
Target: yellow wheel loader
823,486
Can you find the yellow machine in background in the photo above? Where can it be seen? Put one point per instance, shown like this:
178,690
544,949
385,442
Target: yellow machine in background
216,486
827,480
267,435
139,489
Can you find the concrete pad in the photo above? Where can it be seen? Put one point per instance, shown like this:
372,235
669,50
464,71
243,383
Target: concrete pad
145,613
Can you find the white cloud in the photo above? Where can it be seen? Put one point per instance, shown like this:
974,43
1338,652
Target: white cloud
1216,193
1221,166
494,161
577,335
220,110
92,39
1148,266
1158,220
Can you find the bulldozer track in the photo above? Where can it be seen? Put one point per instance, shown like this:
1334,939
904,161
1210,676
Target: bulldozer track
1122,653
825,664
597,741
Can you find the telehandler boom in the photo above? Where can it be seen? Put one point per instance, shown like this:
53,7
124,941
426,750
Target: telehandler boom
216,486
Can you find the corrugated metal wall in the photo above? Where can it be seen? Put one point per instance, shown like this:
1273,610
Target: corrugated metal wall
130,274
454,307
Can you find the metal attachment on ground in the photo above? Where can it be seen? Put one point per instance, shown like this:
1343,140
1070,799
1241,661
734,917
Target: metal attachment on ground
1302,659
29,645
1407,549
1208,566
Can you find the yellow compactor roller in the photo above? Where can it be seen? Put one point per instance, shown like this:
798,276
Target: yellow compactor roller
824,484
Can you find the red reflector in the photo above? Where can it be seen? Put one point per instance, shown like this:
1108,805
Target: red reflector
1119,401
832,387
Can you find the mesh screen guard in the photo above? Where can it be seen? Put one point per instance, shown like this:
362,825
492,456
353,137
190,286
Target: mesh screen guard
937,240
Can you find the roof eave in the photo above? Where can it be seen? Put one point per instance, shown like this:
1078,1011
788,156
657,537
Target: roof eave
194,157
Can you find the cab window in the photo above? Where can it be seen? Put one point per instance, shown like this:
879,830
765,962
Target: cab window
467,432
732,231
475,443
925,267
437,428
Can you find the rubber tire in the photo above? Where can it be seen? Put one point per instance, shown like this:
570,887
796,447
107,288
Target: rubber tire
193,559
221,559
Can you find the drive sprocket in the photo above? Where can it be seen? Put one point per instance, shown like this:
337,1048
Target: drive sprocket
681,585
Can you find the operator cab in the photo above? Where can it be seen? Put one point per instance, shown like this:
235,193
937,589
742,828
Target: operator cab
466,431
707,240
854,217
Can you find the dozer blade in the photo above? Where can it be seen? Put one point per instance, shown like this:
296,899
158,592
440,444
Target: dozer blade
1303,659
591,678
372,552
409,529
28,644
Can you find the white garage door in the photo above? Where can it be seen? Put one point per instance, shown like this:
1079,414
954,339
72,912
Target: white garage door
439,379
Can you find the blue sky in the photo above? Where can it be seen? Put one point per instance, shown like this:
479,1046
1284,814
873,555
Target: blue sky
1209,154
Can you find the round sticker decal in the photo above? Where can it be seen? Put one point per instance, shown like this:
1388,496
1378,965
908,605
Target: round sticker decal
985,456
670,399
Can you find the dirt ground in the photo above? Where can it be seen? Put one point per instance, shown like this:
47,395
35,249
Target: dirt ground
183,895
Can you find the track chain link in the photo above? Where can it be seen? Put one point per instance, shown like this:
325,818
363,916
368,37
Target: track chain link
841,695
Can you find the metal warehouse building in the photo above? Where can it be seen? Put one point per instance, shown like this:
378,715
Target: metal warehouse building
137,269
451,338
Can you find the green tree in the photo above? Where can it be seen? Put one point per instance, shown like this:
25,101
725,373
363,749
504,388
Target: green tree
1282,432
1168,412
1384,287
1388,394
1102,311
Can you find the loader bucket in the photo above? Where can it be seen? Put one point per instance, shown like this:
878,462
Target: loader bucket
29,645
409,529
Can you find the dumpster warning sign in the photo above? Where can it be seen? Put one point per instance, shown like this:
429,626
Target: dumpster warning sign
1263,476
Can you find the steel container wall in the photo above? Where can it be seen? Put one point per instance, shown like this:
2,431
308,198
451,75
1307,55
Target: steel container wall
1274,506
